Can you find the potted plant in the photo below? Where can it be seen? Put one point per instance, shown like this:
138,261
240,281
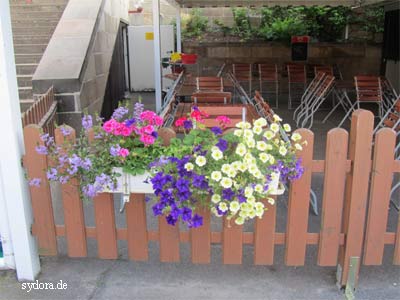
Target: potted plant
229,173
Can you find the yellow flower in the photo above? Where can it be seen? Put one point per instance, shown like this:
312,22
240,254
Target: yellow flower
201,161
189,166
216,175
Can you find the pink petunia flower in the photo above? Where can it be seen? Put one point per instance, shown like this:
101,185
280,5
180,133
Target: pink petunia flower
158,121
119,128
109,126
147,139
180,121
223,120
147,115
123,152
147,129
126,131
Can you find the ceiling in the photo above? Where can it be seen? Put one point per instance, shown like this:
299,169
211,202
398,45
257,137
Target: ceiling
258,3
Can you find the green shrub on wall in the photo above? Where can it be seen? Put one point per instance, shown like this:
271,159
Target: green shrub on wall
196,25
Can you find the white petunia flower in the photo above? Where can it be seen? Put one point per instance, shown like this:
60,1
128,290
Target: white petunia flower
232,173
260,122
215,198
264,157
248,133
217,154
296,137
238,132
259,188
257,130
251,143
223,207
287,127
271,201
277,118
261,146
226,168
274,127
241,149
226,182
234,206
282,150
248,191
259,206
269,134
201,161
298,146
189,166
216,175
239,220
235,165
252,214
242,167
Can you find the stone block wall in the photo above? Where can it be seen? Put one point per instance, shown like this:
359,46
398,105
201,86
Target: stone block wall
78,57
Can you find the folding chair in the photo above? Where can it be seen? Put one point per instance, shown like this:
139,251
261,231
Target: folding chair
268,77
210,84
262,107
328,70
297,78
306,118
307,95
369,90
212,97
243,74
388,93
391,118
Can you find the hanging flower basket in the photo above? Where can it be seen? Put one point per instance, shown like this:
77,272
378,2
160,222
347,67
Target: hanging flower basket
127,183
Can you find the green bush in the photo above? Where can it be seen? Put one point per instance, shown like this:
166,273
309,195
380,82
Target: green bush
242,25
196,25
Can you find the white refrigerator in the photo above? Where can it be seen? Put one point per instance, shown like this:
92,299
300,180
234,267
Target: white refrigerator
141,56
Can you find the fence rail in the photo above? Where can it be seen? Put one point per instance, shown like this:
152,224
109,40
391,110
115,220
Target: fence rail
42,112
353,181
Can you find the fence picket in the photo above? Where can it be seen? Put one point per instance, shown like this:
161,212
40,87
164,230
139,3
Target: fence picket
396,256
106,233
232,242
169,241
299,199
137,227
378,209
357,183
332,203
74,219
264,236
200,239
36,164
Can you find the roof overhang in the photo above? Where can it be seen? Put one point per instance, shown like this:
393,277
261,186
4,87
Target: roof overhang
260,3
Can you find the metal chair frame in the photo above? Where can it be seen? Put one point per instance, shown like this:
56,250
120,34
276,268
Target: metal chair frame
244,74
297,78
268,74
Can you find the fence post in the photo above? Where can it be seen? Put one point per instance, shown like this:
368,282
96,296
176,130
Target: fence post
357,183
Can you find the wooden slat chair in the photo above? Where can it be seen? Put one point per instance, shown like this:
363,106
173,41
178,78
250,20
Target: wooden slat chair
328,70
210,84
212,97
243,74
297,79
369,90
389,94
267,76
262,107
391,118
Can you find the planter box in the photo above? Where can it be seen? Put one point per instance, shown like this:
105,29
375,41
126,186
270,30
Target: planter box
138,184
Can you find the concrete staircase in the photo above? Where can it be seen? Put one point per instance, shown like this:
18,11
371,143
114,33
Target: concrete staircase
33,23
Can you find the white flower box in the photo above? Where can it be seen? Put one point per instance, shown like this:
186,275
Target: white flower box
275,188
137,184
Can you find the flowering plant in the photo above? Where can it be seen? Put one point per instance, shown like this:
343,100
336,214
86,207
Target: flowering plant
236,169
127,141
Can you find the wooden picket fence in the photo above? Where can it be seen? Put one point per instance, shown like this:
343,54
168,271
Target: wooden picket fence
352,182
42,112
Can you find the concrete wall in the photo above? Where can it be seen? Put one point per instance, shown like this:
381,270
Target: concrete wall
393,67
78,57
351,58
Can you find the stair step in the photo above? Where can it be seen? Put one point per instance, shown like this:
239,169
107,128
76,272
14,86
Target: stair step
35,15
35,30
31,39
35,22
25,92
29,48
32,58
26,69
24,80
49,7
25,104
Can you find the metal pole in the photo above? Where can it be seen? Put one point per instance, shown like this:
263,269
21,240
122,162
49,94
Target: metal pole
157,54
178,30
15,204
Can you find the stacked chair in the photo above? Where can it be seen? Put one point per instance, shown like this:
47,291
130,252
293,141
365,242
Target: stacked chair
210,84
244,75
212,97
268,77
316,93
297,79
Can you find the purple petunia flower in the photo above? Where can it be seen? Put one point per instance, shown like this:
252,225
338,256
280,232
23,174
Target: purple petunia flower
197,221
130,122
228,194
65,131
41,150
187,124
216,130
35,182
87,122
138,109
222,145
52,174
114,150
